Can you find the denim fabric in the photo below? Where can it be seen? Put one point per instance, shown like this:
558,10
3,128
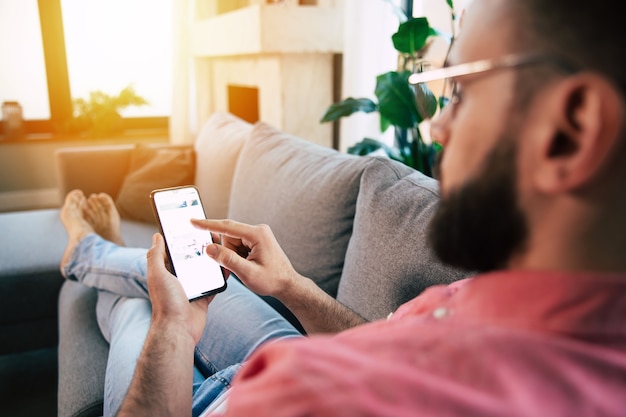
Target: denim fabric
238,321
208,390
98,263
126,327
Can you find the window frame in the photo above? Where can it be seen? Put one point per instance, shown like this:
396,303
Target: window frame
57,78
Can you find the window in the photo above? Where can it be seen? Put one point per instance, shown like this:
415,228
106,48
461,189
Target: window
58,50
23,70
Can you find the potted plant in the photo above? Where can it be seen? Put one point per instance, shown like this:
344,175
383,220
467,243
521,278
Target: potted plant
99,115
400,104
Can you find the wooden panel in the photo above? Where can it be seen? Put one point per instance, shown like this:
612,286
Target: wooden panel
269,29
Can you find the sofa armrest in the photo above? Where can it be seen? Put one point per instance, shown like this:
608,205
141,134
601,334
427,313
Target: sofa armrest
92,169
83,353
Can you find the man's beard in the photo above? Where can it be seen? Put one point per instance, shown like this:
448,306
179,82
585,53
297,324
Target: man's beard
479,226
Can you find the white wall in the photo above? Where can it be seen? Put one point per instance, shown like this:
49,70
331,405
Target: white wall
368,52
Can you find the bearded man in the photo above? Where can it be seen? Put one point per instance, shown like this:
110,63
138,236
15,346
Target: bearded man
532,196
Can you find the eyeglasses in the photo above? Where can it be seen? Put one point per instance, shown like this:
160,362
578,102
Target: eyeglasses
449,74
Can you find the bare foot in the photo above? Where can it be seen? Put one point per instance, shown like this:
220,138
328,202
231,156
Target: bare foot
75,224
101,213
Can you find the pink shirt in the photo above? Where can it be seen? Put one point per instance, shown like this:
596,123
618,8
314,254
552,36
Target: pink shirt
506,344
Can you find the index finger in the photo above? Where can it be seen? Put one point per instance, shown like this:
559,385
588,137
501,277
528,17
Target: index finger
226,227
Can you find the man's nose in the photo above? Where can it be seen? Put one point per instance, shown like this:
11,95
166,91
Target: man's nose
439,130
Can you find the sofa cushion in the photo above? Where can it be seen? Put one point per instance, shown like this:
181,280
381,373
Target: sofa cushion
153,167
389,260
305,192
217,148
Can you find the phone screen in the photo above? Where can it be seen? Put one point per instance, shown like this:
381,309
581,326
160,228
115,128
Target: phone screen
186,245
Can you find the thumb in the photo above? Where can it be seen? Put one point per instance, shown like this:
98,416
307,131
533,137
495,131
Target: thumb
230,260
156,254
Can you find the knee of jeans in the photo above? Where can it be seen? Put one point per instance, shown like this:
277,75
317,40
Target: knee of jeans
119,315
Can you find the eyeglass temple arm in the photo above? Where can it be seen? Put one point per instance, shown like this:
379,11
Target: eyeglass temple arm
483,66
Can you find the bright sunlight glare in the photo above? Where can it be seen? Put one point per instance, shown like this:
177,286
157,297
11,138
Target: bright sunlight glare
111,44
23,73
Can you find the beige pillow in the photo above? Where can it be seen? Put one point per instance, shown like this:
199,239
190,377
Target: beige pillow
151,168
217,150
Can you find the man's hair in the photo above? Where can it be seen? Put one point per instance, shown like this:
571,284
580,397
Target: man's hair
586,33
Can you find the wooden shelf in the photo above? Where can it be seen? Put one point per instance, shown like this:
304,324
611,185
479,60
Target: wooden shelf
269,29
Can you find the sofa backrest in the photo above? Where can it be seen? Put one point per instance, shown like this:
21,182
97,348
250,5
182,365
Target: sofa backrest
305,192
355,225
100,170
389,260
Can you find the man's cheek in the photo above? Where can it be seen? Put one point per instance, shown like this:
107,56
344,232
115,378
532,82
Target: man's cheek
451,172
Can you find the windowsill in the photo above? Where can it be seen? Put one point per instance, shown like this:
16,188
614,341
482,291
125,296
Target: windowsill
129,136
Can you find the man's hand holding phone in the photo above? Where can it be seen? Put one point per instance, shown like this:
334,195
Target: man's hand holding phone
169,301
253,254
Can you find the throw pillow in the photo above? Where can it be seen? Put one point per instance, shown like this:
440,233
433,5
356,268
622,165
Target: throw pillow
153,167
389,260
305,192
217,149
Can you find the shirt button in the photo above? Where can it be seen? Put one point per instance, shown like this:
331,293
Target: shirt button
440,313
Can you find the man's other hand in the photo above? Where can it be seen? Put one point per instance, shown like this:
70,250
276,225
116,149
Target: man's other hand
253,254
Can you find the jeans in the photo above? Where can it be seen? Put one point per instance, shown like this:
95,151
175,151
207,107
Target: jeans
238,321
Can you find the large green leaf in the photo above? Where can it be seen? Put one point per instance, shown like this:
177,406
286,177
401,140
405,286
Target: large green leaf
385,123
347,107
411,35
396,102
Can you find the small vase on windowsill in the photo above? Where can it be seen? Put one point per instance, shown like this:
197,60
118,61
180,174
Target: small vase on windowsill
13,121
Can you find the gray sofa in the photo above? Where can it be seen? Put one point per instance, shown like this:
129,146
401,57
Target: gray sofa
356,225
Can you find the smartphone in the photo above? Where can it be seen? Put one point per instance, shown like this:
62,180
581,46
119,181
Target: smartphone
185,244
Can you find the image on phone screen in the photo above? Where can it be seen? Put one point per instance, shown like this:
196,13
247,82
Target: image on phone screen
198,274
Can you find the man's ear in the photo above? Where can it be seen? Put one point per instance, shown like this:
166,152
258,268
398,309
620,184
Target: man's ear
586,115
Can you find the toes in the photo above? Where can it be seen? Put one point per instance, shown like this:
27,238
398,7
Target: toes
104,197
74,197
105,202
76,193
108,204
100,202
